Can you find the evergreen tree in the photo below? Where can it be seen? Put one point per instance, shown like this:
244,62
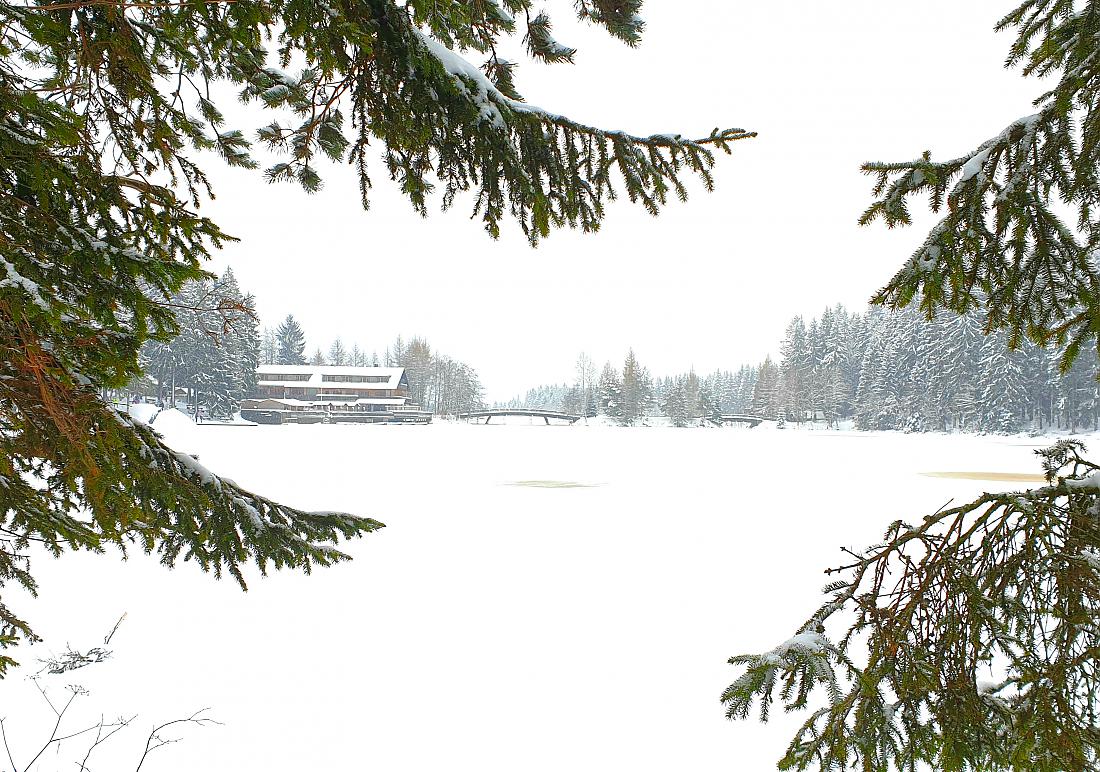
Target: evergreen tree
674,402
709,404
887,369
794,371
417,359
247,352
291,342
269,347
853,342
957,377
1075,395
1003,386
633,397
747,390
692,396
1036,371
609,393
317,358
217,351
929,373
239,339
552,397
765,395
872,411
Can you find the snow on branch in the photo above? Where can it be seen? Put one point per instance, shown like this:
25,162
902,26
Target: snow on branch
490,100
958,633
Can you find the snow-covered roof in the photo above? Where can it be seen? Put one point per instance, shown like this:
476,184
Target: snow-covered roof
268,375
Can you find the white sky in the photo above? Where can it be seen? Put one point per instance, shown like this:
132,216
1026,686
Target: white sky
708,284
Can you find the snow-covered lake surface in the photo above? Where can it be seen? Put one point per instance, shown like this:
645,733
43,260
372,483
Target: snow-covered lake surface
543,598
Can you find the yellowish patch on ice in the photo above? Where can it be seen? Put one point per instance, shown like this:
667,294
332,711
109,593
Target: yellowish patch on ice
990,476
550,484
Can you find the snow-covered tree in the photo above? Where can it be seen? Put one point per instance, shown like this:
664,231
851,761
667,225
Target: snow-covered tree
1076,396
954,382
215,355
1002,388
417,360
291,342
795,367
609,390
247,354
634,391
269,351
765,395
673,402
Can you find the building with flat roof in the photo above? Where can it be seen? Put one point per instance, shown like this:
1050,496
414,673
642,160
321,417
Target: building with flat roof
310,393
329,383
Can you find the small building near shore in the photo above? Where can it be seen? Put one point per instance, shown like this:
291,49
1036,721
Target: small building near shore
329,393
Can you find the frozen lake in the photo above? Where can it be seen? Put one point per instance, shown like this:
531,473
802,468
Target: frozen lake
543,598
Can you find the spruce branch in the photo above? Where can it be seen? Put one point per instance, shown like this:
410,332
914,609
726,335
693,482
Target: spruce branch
968,641
1004,243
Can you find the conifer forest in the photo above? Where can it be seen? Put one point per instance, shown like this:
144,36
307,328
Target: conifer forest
880,369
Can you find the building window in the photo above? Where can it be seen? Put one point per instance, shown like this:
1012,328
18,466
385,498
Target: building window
285,376
355,378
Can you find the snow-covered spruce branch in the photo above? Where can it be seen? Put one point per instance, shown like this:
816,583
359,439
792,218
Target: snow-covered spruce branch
649,166
1003,243
969,641
261,531
485,92
129,489
443,121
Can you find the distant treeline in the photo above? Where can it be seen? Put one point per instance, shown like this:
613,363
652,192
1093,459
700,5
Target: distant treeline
629,394
878,370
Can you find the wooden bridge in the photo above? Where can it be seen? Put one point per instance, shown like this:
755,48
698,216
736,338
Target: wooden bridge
546,415
751,420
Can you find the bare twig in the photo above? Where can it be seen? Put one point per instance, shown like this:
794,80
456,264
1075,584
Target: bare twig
114,629
155,741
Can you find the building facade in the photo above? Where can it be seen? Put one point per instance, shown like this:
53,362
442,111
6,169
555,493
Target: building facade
313,393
